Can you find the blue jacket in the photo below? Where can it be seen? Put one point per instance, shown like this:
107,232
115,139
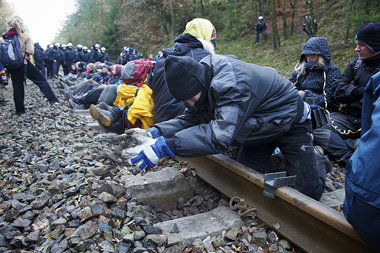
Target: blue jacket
363,169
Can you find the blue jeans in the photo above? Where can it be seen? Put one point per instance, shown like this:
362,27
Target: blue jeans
32,73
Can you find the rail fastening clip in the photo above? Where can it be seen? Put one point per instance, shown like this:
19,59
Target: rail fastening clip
272,181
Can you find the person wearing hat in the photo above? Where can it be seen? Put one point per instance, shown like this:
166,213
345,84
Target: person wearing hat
234,102
260,27
16,26
345,123
362,183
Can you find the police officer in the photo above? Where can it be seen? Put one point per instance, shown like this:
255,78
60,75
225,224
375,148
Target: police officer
260,27
70,56
39,58
55,57
104,56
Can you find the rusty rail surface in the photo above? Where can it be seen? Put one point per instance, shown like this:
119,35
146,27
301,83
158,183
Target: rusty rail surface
307,223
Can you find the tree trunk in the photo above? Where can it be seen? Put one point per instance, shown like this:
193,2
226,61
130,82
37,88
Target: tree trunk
310,18
172,21
349,6
260,8
276,36
293,6
202,9
285,26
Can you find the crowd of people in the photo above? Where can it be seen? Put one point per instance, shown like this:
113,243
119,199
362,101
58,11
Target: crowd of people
194,102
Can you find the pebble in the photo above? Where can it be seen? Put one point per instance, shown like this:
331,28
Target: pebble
50,201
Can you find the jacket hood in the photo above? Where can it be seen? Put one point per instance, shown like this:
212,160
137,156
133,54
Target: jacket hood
17,23
183,44
201,28
317,45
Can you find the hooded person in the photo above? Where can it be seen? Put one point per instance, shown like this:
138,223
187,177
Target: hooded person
234,102
316,78
196,41
16,27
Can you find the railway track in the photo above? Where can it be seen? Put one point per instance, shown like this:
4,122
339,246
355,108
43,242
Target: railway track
307,223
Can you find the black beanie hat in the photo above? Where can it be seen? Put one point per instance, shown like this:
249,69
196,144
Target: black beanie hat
184,76
370,34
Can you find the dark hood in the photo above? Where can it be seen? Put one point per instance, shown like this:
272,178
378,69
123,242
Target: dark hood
183,44
317,45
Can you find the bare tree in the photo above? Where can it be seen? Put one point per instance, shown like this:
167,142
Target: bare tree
276,36
202,8
285,26
293,6
172,20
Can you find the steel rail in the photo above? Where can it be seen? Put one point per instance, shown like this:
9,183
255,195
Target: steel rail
307,223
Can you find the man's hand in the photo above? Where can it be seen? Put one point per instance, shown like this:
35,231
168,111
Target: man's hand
151,154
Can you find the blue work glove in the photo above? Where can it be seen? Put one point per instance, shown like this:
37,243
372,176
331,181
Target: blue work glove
151,154
153,132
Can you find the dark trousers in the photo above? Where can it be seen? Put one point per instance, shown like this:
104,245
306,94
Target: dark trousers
297,148
32,73
364,218
337,145
258,36
41,68
91,98
55,68
49,69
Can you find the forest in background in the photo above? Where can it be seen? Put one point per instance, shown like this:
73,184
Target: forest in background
150,25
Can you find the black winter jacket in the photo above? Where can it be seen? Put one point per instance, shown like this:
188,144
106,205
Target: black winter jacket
246,103
313,81
351,87
39,55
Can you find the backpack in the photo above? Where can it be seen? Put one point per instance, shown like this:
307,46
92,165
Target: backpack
10,52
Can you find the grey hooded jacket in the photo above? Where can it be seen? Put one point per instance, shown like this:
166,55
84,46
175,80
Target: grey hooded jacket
246,103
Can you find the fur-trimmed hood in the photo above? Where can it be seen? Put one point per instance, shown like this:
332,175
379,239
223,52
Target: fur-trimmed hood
17,23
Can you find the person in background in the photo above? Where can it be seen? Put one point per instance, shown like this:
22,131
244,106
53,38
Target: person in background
260,27
16,27
160,53
362,184
70,57
39,58
48,62
3,83
316,77
341,135
103,56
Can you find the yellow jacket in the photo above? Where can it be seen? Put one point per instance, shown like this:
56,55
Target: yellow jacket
141,106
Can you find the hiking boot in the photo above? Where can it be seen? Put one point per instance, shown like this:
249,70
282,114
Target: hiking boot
104,117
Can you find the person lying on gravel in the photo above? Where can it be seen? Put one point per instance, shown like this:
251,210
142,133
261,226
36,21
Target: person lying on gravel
233,102
196,41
